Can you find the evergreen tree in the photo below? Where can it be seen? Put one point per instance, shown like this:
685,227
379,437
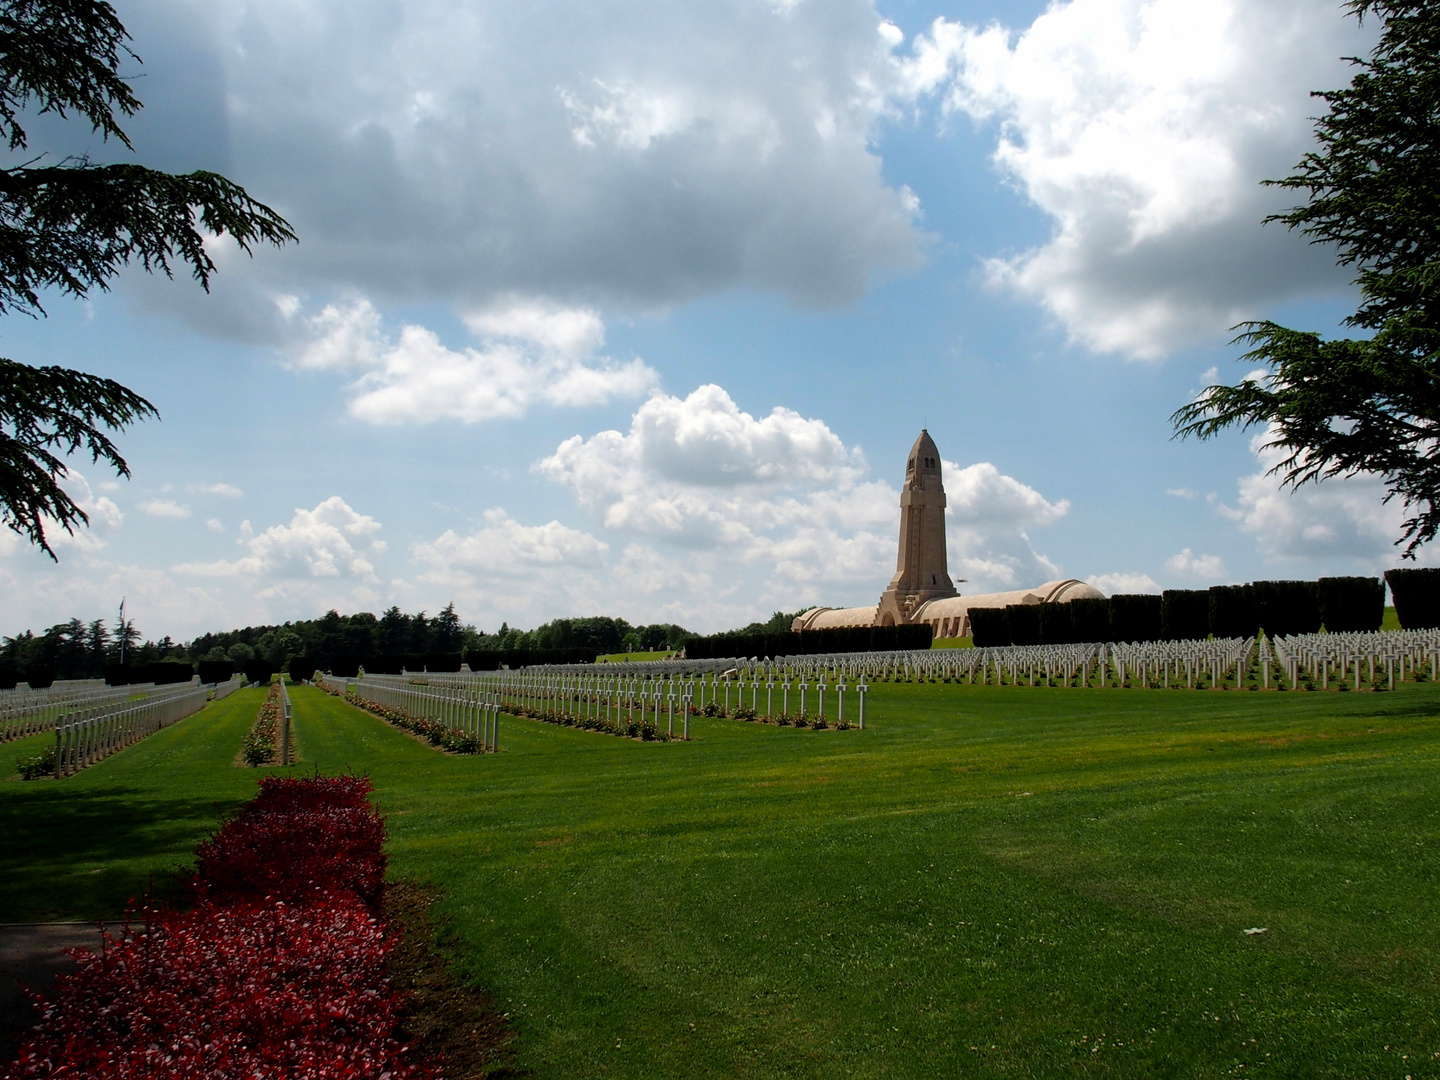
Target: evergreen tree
73,224
1369,404
447,630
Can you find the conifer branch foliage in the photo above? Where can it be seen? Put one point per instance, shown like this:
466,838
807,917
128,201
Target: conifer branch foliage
46,412
1368,404
71,225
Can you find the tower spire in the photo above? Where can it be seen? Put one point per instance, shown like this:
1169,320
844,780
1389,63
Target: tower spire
921,572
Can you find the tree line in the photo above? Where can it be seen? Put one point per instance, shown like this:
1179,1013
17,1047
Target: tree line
84,650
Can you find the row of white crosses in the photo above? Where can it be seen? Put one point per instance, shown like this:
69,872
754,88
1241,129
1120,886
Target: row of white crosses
653,691
41,710
84,737
649,691
284,723
1384,656
799,679
464,709
583,692
225,689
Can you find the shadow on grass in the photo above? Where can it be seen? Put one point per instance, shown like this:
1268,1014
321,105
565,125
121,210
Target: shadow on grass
86,854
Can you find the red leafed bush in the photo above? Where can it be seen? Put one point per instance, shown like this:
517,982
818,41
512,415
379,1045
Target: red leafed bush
311,792
277,974
298,837
266,990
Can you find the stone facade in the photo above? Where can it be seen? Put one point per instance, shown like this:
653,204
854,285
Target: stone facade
921,590
920,565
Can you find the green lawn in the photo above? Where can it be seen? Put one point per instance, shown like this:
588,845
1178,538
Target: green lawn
989,882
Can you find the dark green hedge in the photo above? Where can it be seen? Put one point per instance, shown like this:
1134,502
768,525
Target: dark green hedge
1135,617
810,642
387,664
258,670
1284,608
1184,614
302,669
39,678
169,672
1351,604
1057,624
345,666
122,675
216,671
9,679
484,661
1417,597
987,628
1232,611
1090,619
442,661
1022,624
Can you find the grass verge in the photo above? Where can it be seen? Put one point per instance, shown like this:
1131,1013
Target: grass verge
989,881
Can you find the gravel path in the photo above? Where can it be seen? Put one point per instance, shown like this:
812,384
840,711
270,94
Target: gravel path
31,955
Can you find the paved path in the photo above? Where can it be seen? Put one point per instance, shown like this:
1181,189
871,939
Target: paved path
32,954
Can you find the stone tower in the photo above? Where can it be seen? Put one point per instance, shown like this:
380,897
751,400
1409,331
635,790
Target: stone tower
920,568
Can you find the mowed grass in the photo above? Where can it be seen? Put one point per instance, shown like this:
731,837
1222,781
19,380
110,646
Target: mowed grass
988,882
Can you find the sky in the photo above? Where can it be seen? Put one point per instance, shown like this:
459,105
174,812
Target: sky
636,308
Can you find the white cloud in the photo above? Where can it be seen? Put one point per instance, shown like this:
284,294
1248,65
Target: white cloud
445,151
1189,494
702,470
574,332
781,502
1128,583
224,491
164,508
1143,129
326,542
989,518
506,548
1204,567
415,378
1338,523
214,525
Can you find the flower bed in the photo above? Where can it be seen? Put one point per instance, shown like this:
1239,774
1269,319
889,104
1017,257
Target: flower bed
261,745
37,765
783,719
277,972
435,733
645,730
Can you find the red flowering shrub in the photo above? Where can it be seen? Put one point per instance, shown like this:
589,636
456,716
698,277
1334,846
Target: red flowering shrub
294,854
278,972
244,990
311,792
296,838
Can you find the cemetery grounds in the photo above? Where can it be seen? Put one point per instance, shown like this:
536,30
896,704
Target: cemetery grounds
988,881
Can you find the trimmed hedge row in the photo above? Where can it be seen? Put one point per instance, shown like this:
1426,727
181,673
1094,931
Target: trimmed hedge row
1340,604
258,670
1417,597
810,642
216,671
161,673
